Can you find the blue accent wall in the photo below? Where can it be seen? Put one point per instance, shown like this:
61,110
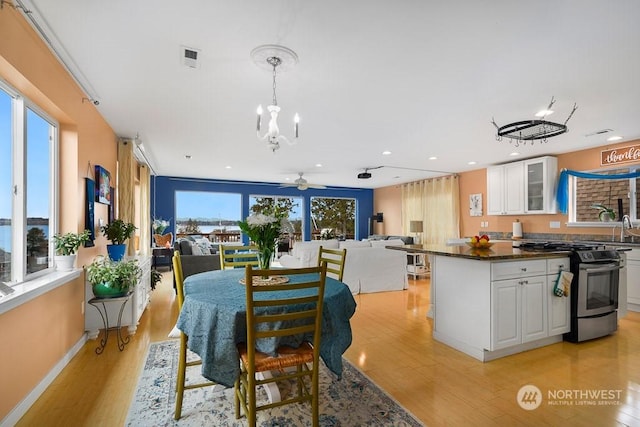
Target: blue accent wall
163,200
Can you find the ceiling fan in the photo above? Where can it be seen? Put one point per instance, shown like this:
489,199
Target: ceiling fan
302,183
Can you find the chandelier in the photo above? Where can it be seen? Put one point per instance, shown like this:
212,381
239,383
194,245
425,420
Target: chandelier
274,57
531,130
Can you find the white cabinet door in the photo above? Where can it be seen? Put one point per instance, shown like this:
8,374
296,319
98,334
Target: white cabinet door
558,309
514,188
495,190
539,185
506,318
534,308
505,189
633,277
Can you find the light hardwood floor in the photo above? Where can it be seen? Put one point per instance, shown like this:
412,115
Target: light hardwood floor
392,344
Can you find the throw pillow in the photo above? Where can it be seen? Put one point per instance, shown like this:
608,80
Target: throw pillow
196,250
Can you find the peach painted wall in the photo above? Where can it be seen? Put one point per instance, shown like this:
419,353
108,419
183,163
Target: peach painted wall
387,200
35,336
472,182
40,332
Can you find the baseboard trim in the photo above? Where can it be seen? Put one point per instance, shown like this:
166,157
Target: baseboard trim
484,355
21,408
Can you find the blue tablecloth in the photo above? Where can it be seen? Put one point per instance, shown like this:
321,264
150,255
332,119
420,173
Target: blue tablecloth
213,316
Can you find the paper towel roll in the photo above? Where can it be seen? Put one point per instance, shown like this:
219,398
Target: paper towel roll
517,229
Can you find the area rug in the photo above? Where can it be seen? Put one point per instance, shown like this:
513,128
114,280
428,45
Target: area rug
354,400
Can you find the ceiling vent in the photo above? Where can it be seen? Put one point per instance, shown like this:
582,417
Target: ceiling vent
599,132
190,57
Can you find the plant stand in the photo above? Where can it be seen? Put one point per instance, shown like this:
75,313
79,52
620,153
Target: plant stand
100,302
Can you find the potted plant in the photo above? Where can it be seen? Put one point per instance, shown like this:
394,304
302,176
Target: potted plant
156,277
606,214
66,247
111,279
118,232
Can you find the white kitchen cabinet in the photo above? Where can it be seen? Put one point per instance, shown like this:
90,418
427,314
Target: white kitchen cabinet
633,279
132,310
491,309
505,189
540,185
558,308
524,187
519,308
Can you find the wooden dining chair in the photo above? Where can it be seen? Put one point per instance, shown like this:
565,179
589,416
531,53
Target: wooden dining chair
272,314
335,259
234,256
182,363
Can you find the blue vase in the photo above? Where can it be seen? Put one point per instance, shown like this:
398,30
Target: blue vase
116,252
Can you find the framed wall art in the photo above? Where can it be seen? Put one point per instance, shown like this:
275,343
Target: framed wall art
475,204
103,182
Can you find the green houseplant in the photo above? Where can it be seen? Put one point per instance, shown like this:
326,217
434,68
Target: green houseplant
118,232
605,214
66,247
110,279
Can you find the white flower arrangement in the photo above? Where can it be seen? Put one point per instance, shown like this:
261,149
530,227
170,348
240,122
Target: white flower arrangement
159,225
261,219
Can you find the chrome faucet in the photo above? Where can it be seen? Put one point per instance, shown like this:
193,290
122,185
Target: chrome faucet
625,220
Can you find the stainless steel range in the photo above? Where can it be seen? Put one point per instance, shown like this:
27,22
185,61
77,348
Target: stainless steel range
594,289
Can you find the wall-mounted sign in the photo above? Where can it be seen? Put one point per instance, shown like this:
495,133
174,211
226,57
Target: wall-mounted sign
616,156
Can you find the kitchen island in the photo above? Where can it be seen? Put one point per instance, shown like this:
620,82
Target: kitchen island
490,303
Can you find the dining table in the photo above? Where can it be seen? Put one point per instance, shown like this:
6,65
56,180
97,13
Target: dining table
213,316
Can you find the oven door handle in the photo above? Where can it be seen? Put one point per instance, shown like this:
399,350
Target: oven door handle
600,269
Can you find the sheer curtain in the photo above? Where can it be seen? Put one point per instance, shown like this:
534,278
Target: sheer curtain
435,202
126,189
145,222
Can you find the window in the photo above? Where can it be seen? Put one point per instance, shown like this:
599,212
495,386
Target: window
215,215
609,193
28,170
333,217
291,207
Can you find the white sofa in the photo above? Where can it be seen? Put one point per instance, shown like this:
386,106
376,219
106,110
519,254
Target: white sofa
369,266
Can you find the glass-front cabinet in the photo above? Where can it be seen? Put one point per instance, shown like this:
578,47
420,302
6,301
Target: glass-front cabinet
540,185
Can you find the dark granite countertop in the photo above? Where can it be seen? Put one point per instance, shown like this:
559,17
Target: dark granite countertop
499,251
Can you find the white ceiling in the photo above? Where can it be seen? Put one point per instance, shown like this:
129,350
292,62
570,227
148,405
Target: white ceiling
417,78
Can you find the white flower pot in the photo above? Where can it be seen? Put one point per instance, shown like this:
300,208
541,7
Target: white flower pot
65,262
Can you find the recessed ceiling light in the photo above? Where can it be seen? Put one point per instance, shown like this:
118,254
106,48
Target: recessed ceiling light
318,165
386,153
614,138
471,163
514,154
543,113
227,167
433,158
